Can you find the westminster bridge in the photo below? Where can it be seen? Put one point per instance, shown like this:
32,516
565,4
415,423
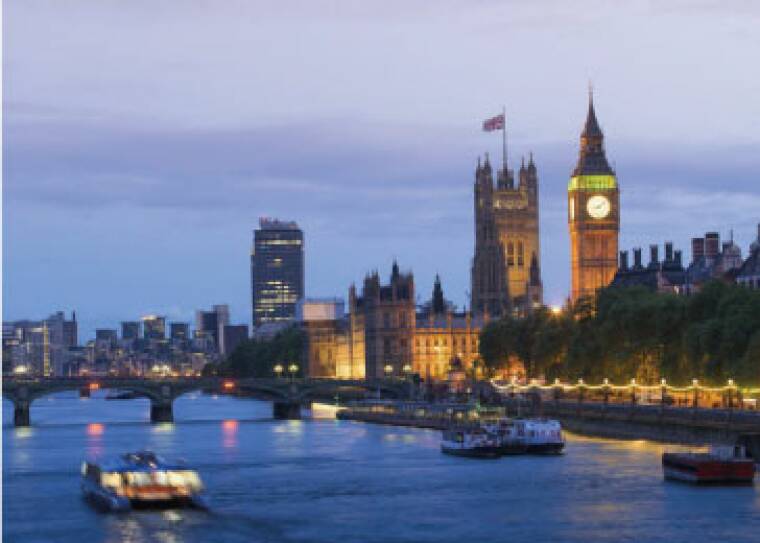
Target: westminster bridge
287,395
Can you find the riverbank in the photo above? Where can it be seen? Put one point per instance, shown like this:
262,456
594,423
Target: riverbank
684,426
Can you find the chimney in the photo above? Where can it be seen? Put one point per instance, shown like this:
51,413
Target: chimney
624,261
697,249
637,258
712,244
677,256
668,251
654,257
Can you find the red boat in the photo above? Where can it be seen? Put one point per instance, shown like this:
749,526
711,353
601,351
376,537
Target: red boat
708,468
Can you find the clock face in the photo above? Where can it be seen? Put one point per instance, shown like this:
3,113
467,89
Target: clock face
598,207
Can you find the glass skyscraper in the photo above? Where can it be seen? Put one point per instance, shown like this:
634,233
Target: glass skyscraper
277,271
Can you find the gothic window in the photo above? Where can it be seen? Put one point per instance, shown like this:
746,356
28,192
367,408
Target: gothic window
510,254
386,320
520,254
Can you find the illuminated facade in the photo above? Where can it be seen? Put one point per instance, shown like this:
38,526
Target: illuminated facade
277,271
593,214
506,265
385,334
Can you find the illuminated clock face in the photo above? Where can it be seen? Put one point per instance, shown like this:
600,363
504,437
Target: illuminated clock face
598,207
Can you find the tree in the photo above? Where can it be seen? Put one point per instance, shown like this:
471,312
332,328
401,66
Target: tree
257,358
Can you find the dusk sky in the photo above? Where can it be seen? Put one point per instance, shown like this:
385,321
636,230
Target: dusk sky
142,140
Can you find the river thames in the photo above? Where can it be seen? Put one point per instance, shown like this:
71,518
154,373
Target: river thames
325,480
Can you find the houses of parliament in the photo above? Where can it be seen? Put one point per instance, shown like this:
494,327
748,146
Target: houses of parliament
385,331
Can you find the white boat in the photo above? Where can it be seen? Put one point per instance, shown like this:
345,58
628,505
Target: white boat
470,442
509,440
141,479
542,436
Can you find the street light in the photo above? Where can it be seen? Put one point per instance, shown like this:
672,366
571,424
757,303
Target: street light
407,369
293,369
388,370
278,370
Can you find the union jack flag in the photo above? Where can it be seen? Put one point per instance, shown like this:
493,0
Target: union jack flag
494,123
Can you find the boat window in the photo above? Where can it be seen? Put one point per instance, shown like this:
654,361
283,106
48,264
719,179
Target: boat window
110,479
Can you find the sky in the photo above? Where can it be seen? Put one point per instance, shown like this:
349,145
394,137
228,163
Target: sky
142,140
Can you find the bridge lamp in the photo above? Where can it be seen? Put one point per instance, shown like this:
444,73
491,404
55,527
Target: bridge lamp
606,381
730,382
20,370
407,368
278,370
94,386
293,369
228,385
388,370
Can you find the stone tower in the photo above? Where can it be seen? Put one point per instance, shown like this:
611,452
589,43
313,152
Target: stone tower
505,215
490,287
593,213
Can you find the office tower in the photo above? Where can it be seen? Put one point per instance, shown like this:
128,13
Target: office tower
130,330
277,271
178,330
154,327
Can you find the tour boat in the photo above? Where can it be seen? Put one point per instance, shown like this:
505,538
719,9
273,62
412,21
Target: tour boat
470,442
709,467
505,431
542,436
141,479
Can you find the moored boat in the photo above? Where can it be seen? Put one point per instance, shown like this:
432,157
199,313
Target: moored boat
507,436
470,442
542,436
708,468
141,479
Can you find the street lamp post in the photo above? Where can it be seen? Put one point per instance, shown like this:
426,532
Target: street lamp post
292,369
388,370
278,370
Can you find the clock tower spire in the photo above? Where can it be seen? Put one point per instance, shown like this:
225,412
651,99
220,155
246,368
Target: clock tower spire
593,212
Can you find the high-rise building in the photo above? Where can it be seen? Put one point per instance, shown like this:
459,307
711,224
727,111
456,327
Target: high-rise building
130,330
593,213
233,335
210,324
178,330
505,216
154,327
106,336
277,271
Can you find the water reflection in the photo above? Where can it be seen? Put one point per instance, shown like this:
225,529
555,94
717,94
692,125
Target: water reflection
229,433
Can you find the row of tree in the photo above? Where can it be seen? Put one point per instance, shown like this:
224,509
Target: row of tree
258,358
633,332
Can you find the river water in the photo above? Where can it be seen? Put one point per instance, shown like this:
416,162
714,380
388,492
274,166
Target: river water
339,481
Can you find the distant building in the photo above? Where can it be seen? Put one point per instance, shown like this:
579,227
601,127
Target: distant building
130,330
277,271
210,324
178,331
710,260
314,309
106,336
234,335
39,347
748,274
667,275
154,327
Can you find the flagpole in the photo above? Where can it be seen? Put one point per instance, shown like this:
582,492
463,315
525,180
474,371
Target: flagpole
504,137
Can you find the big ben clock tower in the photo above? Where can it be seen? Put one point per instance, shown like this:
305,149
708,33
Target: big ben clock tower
593,213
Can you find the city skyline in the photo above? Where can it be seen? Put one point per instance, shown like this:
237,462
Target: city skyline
187,193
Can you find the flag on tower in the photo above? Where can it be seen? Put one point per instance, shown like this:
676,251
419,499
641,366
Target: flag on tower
494,123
